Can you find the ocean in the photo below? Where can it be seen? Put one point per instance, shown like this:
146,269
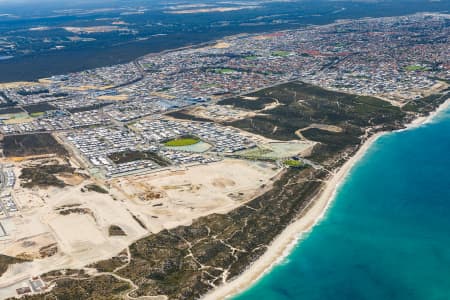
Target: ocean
386,234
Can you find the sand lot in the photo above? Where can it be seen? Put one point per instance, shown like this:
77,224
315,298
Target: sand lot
76,232
76,221
29,246
178,196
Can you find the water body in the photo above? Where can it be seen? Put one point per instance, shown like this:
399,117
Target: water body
387,233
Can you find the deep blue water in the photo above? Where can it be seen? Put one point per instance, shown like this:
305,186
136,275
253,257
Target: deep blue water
387,233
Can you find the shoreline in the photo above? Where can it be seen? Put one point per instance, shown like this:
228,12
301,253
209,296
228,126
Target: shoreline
316,210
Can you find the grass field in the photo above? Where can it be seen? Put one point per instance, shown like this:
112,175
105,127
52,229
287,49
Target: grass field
293,163
281,53
251,57
256,153
17,118
183,141
412,68
224,71
37,114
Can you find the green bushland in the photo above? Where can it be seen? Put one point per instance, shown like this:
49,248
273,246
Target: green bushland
185,115
103,287
10,110
108,265
115,230
40,107
96,188
182,141
258,104
6,260
426,104
31,144
304,104
129,156
44,175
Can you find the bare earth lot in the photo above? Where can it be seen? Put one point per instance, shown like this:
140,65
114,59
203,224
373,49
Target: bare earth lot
67,227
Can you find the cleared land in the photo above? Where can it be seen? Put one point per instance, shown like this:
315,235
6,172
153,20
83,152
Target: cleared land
183,195
82,225
278,150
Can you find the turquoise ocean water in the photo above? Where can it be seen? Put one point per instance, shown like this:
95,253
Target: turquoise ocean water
387,233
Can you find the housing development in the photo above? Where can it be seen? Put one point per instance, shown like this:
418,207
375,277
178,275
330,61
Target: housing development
95,161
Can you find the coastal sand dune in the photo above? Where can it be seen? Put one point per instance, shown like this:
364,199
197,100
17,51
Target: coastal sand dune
289,237
284,243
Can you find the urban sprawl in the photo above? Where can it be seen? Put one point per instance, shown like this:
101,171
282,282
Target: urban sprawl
121,108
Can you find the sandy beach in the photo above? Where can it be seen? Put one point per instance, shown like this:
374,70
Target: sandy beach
315,211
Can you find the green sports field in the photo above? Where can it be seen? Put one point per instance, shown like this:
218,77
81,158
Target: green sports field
183,141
